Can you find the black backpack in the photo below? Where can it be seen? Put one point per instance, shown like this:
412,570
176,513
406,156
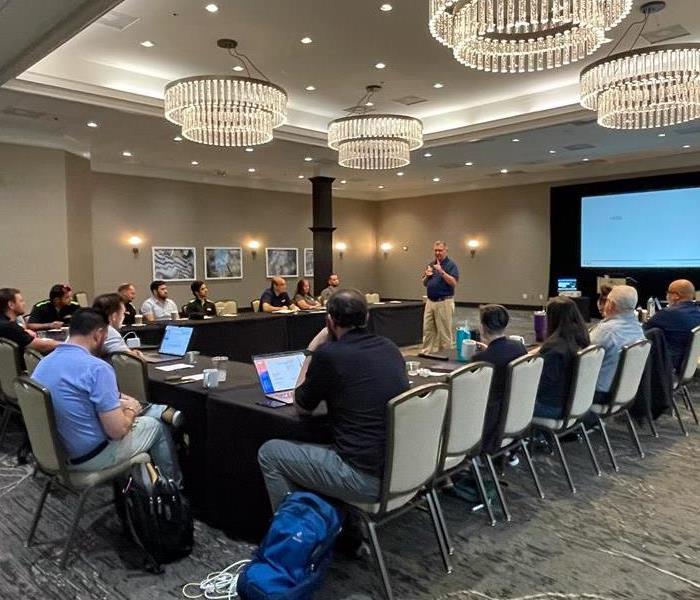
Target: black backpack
156,515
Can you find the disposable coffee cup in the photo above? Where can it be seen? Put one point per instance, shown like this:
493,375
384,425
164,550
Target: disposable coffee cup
468,349
138,319
210,378
219,363
174,316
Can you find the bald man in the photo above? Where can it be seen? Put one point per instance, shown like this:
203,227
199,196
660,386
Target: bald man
682,315
275,298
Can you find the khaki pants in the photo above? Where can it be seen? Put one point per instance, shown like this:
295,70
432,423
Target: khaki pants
437,326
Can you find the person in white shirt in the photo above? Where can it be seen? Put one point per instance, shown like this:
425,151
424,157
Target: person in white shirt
158,307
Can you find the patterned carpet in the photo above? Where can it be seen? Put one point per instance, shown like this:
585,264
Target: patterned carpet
627,536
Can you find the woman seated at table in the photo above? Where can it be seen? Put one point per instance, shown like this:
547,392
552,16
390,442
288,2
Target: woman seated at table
303,298
567,334
603,298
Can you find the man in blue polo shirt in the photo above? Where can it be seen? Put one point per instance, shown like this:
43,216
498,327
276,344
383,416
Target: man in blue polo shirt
440,279
681,316
98,427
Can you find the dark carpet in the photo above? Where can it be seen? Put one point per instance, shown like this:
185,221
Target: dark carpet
632,536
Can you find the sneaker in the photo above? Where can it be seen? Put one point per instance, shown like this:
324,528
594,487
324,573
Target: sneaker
173,417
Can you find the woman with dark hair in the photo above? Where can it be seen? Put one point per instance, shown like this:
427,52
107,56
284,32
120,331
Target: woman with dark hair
603,298
566,335
303,298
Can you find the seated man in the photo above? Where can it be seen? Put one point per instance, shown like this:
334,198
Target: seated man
158,307
619,328
276,298
681,316
98,427
200,306
127,292
54,312
498,350
356,373
12,306
333,285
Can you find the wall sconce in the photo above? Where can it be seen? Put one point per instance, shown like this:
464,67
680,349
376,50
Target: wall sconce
473,245
341,247
385,247
253,245
135,241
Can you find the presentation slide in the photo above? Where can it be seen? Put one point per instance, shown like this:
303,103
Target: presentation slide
641,229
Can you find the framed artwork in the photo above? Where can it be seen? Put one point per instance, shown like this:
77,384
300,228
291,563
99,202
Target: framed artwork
282,262
308,262
223,263
174,263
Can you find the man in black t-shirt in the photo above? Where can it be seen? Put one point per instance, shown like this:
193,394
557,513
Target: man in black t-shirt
127,292
12,306
356,373
200,306
54,312
275,298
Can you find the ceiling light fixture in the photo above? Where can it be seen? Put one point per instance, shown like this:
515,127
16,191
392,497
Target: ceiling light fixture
427,155
300,177
400,174
212,8
469,164
177,138
436,179
380,65
381,187
438,86
386,7
655,86
92,124
194,163
310,88
227,110
251,170
306,40
504,171
250,149
127,154
238,68
515,36
585,159
552,151
686,146
374,141
343,181
147,44
308,159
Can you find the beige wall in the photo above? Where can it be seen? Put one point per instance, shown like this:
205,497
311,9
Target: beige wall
33,221
512,225
79,224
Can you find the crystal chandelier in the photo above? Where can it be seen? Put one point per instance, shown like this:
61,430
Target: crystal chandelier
374,141
515,36
226,110
650,87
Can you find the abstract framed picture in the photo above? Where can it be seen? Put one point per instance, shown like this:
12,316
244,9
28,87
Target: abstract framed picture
174,263
308,262
282,262
223,262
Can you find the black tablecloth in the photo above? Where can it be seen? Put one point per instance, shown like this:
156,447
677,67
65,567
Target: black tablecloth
402,323
237,500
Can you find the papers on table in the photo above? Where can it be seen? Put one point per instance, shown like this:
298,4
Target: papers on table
227,315
394,301
197,377
175,367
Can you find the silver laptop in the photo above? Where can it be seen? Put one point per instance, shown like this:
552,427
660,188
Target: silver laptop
174,345
279,374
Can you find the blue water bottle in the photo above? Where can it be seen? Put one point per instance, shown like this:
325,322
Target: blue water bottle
462,335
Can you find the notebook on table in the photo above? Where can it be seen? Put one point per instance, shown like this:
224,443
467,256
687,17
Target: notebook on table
174,345
279,374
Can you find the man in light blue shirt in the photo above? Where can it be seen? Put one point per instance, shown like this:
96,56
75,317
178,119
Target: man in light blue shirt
97,426
619,328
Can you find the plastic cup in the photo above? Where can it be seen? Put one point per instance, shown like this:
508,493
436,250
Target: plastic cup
219,363
138,319
192,357
412,367
210,378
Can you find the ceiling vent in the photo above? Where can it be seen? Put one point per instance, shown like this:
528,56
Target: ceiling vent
410,100
117,20
665,34
577,147
25,113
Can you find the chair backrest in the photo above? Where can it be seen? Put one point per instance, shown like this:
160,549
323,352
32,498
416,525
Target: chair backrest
692,357
583,382
31,359
230,307
37,410
255,305
82,299
633,360
522,381
469,395
415,424
9,367
372,298
132,375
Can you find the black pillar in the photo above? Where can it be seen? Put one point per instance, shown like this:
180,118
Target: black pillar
322,229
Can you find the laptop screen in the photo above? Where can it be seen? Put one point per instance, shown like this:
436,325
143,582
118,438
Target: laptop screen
279,372
566,285
176,340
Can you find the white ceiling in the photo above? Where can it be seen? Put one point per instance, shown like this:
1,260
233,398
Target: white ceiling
105,75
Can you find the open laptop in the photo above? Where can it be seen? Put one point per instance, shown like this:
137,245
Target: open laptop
174,345
279,374
567,284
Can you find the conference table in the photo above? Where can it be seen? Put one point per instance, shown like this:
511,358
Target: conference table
247,334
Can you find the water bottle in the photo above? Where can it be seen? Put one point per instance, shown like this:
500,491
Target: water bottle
462,335
651,307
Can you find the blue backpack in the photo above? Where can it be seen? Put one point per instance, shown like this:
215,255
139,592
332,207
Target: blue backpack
290,562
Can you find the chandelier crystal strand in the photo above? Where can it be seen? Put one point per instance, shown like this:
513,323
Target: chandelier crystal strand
644,88
516,36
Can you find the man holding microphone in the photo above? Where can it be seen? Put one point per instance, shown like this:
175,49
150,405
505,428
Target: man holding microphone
440,279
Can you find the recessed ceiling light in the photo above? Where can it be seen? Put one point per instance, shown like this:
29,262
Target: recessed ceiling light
92,124
504,171
147,44
386,7
177,138
686,146
662,135
308,159
127,154
438,86
381,187
310,88
380,65
436,179
400,174
469,164
300,177
515,140
343,181
552,151
251,170
249,149
238,68
194,163
306,40
212,8
585,159
427,155
368,103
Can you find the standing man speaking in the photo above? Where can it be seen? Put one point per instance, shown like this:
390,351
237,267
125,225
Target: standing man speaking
440,279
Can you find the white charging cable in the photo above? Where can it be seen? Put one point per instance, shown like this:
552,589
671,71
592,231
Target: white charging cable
219,585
